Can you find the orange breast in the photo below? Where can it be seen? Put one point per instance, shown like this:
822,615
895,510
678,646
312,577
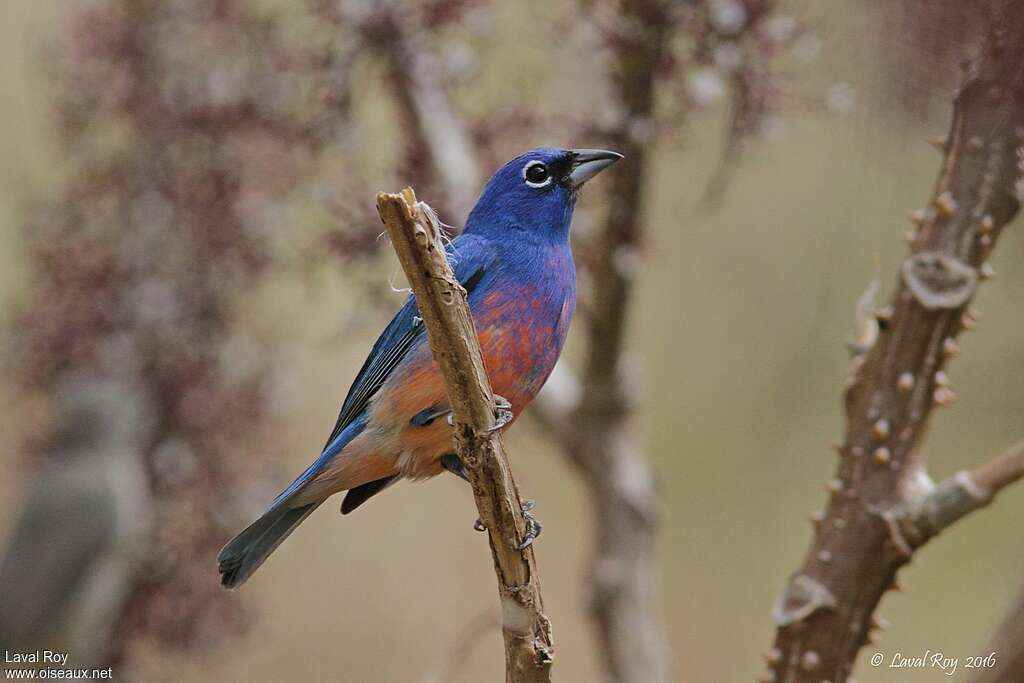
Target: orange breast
521,337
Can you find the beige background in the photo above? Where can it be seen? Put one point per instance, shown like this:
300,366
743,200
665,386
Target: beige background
741,324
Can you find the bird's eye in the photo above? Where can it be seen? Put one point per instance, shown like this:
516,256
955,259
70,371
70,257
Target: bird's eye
536,174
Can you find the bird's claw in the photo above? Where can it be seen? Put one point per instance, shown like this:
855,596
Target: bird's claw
533,526
502,412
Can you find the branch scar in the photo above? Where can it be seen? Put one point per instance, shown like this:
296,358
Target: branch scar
939,281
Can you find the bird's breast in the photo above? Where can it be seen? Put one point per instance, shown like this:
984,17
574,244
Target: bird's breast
522,330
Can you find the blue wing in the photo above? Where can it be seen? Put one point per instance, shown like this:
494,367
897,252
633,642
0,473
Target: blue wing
471,256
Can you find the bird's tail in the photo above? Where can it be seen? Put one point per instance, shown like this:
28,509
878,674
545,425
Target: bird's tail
249,549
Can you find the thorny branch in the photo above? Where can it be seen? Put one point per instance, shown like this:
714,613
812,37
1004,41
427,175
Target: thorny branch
414,232
882,505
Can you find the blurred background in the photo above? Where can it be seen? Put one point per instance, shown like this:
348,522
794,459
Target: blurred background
191,276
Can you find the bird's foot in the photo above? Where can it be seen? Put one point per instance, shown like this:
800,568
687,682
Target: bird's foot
533,525
502,412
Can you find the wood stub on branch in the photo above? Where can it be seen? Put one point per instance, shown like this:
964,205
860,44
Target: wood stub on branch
962,494
443,305
882,505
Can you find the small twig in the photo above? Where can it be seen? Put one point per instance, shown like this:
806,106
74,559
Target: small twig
991,477
961,494
443,305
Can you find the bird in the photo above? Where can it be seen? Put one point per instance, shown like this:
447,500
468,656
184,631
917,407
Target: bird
515,262
82,531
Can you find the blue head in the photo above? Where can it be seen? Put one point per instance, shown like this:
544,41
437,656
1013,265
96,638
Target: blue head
535,193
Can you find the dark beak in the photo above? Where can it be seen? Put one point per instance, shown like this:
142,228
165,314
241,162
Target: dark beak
587,163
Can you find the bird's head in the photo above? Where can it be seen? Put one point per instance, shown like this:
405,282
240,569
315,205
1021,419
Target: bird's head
536,191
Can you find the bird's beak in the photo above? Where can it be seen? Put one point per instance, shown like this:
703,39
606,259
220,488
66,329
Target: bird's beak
587,163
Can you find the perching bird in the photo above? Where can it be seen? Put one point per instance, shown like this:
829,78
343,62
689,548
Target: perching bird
514,260
81,532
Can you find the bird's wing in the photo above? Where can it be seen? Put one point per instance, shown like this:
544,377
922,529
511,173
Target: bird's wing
471,257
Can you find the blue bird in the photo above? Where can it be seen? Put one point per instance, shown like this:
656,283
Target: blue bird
515,262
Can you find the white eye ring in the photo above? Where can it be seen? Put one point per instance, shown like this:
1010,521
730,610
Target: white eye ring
534,164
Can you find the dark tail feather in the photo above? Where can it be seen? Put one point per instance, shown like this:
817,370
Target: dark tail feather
247,551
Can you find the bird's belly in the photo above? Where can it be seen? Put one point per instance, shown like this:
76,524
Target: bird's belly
520,340
521,337
518,362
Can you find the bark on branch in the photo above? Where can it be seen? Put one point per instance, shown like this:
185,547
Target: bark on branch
882,504
414,232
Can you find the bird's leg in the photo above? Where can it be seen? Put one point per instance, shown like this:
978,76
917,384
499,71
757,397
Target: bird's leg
533,525
502,416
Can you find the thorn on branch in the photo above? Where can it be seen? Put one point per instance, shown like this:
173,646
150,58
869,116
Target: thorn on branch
865,321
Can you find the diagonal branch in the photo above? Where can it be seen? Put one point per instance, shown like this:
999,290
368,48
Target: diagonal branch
529,650
882,504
